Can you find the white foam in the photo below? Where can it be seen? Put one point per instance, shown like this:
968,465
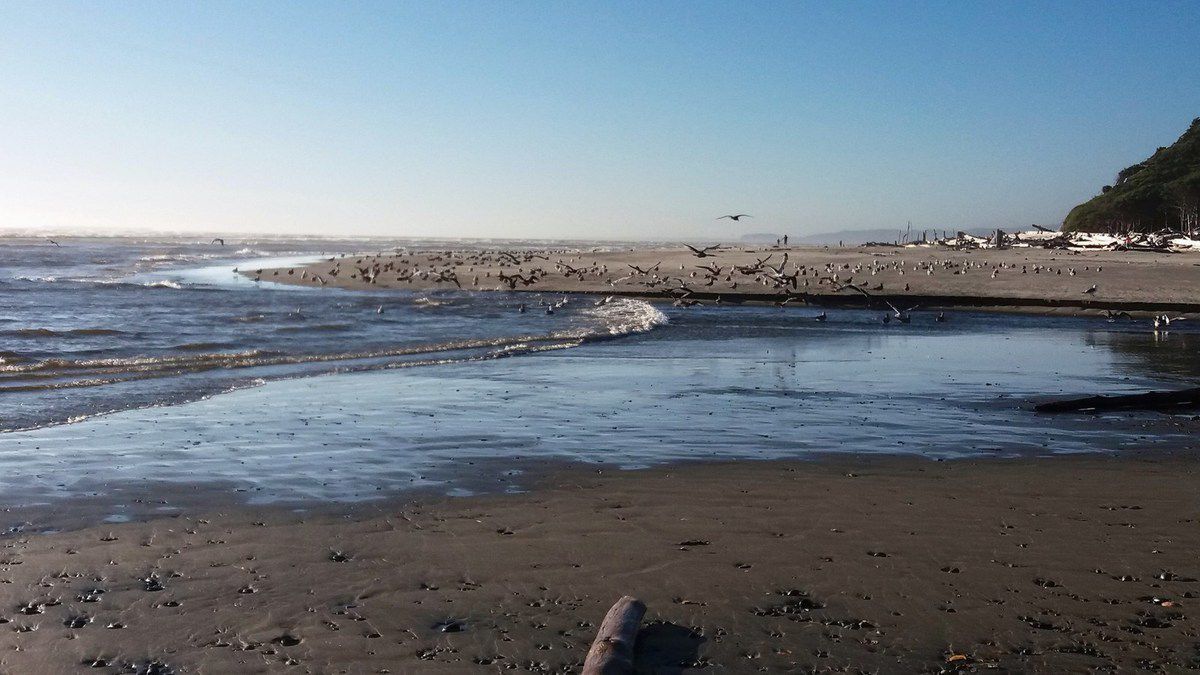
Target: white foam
625,316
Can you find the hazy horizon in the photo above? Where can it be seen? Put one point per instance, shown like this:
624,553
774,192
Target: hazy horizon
616,121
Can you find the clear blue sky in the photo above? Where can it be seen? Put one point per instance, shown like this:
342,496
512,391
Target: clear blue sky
580,119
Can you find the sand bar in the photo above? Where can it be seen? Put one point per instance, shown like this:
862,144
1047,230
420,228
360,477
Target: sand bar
1032,279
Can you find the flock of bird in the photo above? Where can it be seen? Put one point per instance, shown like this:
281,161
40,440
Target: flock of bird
782,282
773,277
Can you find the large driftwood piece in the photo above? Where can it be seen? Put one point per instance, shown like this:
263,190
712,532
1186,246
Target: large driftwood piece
612,652
1165,401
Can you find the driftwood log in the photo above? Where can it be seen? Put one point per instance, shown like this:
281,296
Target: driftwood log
612,652
1163,401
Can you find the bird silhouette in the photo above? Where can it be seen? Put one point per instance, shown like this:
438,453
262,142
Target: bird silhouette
737,216
703,252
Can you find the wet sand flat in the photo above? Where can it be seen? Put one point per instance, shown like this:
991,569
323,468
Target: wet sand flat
887,564
1029,278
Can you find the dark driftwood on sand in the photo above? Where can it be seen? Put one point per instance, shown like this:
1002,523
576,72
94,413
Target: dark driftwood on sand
612,652
1154,400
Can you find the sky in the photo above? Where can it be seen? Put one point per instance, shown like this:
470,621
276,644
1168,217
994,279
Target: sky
565,119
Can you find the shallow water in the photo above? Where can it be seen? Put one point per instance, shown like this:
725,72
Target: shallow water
707,383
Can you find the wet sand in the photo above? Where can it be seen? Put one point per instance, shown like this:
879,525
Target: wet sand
1022,278
886,564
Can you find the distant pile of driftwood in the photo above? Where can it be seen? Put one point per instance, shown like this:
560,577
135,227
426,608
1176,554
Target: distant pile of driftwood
1164,241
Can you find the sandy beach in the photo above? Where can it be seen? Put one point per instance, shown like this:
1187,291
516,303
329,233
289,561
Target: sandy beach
1030,279
888,564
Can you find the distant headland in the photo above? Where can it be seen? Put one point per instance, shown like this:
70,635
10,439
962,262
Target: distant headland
1159,193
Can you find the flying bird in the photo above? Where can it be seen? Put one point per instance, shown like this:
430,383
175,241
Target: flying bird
703,252
737,216
901,315
54,242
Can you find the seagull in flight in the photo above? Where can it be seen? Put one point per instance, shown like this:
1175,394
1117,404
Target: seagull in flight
703,252
901,315
738,216
54,242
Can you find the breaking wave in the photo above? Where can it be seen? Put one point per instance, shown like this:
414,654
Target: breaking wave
613,319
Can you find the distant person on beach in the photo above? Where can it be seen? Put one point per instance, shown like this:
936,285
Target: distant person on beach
785,240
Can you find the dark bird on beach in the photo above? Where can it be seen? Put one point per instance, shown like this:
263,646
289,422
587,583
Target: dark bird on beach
738,216
1091,290
703,252
1113,316
218,240
822,317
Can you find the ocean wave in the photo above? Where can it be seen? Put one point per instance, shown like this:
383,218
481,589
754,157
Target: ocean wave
624,316
320,327
50,332
616,318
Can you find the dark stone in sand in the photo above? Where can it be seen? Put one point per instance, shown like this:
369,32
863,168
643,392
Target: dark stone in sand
1171,576
77,621
149,668
152,584
287,640
339,556
450,626
797,602
695,542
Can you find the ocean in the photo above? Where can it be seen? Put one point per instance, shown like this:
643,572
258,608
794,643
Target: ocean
133,366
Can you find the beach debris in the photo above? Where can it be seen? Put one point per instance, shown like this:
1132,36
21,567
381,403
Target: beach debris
450,626
612,651
794,602
1154,400
77,621
287,640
